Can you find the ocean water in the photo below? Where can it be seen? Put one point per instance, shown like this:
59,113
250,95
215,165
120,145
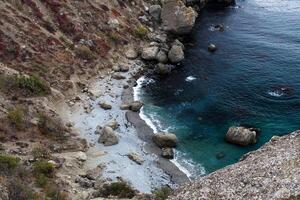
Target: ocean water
253,79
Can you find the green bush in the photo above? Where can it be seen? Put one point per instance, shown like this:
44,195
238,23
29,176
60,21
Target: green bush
141,31
16,118
41,180
117,189
44,167
40,153
162,193
8,163
33,85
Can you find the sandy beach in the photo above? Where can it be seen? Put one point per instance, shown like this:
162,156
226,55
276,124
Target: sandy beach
135,136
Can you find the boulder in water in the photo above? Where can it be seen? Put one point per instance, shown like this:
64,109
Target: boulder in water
212,48
241,136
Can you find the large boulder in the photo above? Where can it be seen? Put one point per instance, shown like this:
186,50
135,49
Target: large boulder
136,106
165,140
241,136
176,53
108,137
176,17
155,11
149,53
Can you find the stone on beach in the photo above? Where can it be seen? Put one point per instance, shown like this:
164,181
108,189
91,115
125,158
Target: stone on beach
108,137
136,106
105,106
125,107
135,158
113,124
167,153
118,76
164,140
241,136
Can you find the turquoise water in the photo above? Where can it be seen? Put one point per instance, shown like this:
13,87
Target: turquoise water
253,78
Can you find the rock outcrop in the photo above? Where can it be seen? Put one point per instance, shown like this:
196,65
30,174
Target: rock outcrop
165,140
271,172
177,17
241,136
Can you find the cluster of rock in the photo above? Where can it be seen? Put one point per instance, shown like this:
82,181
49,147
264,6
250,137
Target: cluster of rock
166,141
271,172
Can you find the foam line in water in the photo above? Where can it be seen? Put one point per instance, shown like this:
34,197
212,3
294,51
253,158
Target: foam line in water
149,122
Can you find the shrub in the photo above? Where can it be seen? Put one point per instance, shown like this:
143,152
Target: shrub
162,193
50,126
41,180
44,167
40,153
8,163
141,31
33,85
117,189
53,192
19,191
84,52
16,118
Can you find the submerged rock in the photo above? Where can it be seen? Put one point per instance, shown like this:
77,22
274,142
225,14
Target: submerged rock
212,48
241,136
108,137
165,140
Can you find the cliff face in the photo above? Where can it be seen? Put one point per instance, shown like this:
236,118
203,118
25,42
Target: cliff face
271,172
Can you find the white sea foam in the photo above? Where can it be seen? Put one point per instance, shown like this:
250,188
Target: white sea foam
184,165
275,93
190,78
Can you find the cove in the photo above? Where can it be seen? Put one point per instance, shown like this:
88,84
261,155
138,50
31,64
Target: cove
252,79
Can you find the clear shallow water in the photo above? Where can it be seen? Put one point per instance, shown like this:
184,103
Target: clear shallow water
253,78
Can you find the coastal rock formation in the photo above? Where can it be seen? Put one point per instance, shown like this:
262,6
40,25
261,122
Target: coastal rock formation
241,136
176,53
105,106
271,172
167,153
113,124
165,140
136,106
108,137
176,17
149,53
155,12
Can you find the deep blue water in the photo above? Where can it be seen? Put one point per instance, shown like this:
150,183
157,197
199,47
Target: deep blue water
258,55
